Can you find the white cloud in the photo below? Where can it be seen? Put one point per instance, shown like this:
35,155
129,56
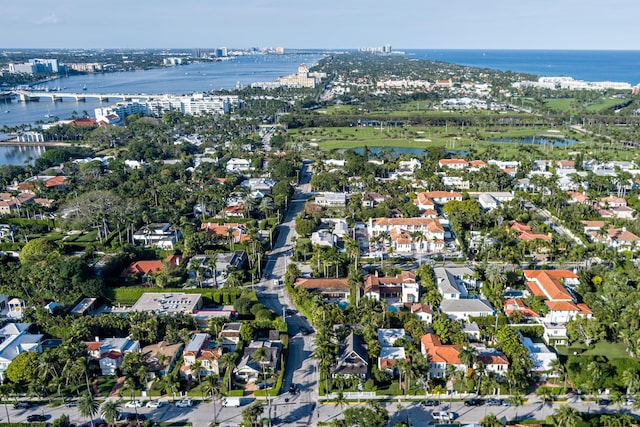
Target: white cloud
48,20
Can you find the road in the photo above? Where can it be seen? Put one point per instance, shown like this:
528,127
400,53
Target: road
301,369
554,223
300,411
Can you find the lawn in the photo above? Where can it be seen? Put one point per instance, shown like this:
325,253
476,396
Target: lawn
105,384
612,350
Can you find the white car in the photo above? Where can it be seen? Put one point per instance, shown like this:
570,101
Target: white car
153,404
133,404
184,403
443,416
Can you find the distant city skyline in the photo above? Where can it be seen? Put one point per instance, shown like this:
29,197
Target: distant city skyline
330,24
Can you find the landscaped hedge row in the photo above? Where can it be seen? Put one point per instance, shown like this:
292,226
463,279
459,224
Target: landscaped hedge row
128,295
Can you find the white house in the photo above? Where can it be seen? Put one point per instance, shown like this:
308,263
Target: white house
238,165
332,199
15,340
463,309
541,357
110,352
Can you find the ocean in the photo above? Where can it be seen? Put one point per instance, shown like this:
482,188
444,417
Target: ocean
587,65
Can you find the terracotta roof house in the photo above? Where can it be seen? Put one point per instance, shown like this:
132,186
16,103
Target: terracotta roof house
401,288
422,312
353,358
200,349
458,164
440,356
388,357
526,234
238,231
513,305
56,182
328,288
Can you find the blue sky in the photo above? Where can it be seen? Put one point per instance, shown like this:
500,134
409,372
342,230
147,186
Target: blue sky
462,24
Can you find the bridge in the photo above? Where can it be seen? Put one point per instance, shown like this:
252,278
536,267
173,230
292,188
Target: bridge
27,96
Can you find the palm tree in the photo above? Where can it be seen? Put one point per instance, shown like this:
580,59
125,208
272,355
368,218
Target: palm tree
490,421
566,416
88,406
228,363
468,356
340,400
631,380
109,411
212,385
5,391
517,401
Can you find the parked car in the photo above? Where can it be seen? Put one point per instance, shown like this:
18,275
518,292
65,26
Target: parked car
36,418
136,417
293,389
71,403
443,416
184,403
473,402
153,404
431,403
494,402
264,386
630,401
133,404
21,405
604,402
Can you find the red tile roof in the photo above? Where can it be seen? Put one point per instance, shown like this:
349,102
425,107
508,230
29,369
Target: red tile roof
439,353
548,282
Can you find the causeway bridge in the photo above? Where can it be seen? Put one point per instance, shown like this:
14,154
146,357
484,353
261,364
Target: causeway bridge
29,96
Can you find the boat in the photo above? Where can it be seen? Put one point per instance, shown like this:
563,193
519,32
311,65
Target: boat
84,87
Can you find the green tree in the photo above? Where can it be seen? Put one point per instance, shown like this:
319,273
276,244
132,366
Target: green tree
251,415
109,411
566,416
23,369
88,407
490,421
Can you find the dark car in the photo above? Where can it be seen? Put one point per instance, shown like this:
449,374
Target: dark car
494,402
36,418
473,402
22,405
293,389
431,403
604,402
132,417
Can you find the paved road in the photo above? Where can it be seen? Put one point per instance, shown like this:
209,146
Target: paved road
301,368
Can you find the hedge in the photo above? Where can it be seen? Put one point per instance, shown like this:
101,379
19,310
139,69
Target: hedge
128,295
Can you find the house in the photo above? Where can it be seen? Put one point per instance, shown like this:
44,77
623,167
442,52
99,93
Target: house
621,239
422,312
332,199
440,356
456,182
168,303
443,197
235,165
160,358
525,233
218,265
158,235
143,269
423,202
551,285
455,282
401,288
388,337
353,358
110,352
263,185
330,289
230,335
249,368
455,164
407,167
371,199
57,182
200,350
542,358
508,167
463,309
237,232
493,360
15,339
388,357
85,306
407,234
555,333
472,331
516,305
322,238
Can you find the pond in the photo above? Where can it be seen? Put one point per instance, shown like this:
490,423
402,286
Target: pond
532,140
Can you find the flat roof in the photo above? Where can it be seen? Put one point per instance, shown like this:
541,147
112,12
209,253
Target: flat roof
168,302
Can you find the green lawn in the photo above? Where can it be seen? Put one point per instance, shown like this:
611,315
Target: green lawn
612,350
105,384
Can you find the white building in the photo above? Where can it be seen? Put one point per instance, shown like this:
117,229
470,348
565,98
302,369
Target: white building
16,340
238,165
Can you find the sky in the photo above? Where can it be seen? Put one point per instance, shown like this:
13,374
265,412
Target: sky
324,24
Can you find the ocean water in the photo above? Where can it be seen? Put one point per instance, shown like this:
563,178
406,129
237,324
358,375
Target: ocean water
588,65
